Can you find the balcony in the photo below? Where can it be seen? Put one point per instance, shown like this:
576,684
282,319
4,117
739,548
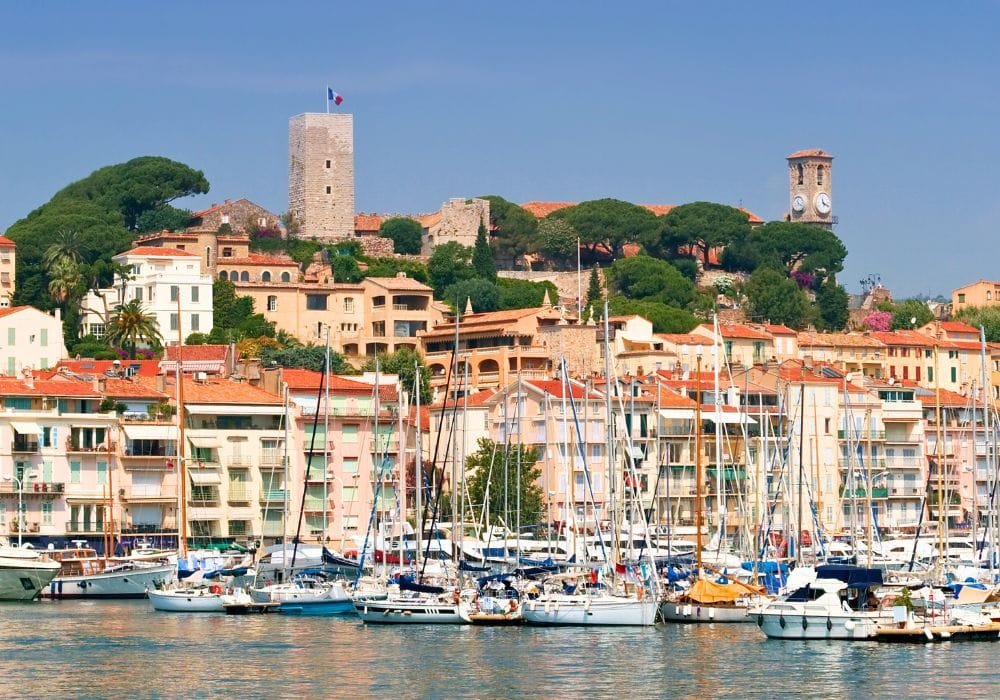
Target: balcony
148,494
273,495
15,526
272,458
861,435
905,491
904,462
24,446
75,448
860,493
240,461
164,528
902,411
75,527
33,488
239,494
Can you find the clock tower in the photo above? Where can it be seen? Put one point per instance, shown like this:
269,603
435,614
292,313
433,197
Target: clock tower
810,180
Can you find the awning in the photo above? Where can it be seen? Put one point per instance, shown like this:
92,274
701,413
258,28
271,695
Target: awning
25,428
205,476
205,441
728,418
235,410
677,413
150,432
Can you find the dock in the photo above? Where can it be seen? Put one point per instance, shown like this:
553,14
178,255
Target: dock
939,633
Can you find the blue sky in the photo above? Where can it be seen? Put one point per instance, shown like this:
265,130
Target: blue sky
651,102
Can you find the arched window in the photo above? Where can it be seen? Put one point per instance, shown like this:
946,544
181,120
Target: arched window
265,276
223,275
244,276
272,303
802,174
285,277
234,275
208,256
819,174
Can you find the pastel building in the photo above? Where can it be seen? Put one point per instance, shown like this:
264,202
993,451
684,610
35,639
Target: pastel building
29,339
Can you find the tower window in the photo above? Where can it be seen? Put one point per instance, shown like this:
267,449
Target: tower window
819,174
328,164
801,174
329,190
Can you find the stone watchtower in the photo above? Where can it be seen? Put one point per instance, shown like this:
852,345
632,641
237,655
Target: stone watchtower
810,180
321,174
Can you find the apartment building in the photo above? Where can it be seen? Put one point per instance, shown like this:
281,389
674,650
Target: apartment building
31,339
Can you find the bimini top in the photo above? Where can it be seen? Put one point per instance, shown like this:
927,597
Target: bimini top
853,576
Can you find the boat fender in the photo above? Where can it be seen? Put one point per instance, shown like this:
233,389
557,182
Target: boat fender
760,620
82,584
687,611
945,634
829,624
711,613
216,588
849,625
805,622
781,621
929,635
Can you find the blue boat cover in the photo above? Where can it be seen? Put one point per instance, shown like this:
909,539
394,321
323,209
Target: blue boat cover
853,576
407,585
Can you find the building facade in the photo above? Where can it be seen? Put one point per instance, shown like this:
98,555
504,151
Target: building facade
321,174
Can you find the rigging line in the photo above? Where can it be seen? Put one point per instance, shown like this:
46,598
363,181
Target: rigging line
309,458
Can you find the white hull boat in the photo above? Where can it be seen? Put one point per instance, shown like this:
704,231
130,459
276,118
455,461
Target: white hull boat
190,600
306,598
409,610
571,609
127,581
673,611
24,574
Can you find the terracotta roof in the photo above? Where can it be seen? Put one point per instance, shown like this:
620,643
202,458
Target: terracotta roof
89,367
128,389
252,259
542,209
684,338
196,353
957,327
217,391
297,378
367,222
488,320
903,337
826,340
478,398
776,330
554,388
738,330
65,386
429,220
155,251
810,153
5,242
14,309
407,284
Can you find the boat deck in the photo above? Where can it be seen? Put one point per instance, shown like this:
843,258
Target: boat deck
939,633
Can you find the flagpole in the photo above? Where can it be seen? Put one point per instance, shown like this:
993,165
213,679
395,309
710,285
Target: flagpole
327,99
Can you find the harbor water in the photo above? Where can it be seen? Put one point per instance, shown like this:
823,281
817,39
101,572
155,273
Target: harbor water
125,649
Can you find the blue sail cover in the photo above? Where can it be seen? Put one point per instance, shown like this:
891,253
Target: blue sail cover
408,585
853,576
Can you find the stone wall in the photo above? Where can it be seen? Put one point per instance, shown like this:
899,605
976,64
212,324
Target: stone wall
577,342
565,282
321,174
459,222
240,214
375,246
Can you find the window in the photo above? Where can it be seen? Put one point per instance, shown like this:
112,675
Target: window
801,174
227,252
223,275
961,298
195,322
244,276
234,276
102,473
138,293
349,433
3,513
826,425
195,294
349,305
285,277
349,494
819,174
930,374
350,466
265,276
47,513
316,302
45,337
11,369
10,336
175,292
208,256
350,522
173,322
328,163
329,190
954,374
272,303
989,296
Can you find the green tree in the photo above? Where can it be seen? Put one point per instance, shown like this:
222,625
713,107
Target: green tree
196,339
91,346
500,476
523,294
559,242
390,267
665,319
406,234
908,313
703,225
482,256
130,324
831,306
798,247
65,281
234,315
595,295
65,247
408,365
484,294
986,316
164,217
304,357
346,269
450,263
774,297
514,229
609,222
645,278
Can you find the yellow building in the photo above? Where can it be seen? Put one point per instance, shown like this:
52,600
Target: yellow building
7,269
981,293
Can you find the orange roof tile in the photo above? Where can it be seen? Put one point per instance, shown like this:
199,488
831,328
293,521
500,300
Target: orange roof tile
903,337
217,391
399,283
196,353
90,367
6,242
65,386
13,310
810,153
478,398
776,329
826,340
429,220
155,251
367,222
554,388
270,260
957,327
738,330
128,389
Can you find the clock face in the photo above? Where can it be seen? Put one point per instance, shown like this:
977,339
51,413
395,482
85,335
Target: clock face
822,203
798,203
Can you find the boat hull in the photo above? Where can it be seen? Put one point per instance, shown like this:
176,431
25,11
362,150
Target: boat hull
193,601
131,583
695,613
303,600
799,624
474,616
407,612
22,580
579,610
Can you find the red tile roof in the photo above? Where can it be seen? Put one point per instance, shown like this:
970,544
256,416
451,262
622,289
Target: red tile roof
270,260
367,222
196,353
904,337
6,242
737,330
478,398
957,327
90,367
65,386
12,310
554,388
128,389
403,284
217,391
777,330
810,153
155,251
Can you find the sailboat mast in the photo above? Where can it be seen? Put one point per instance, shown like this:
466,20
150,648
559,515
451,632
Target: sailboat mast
720,496
939,456
326,438
697,463
418,495
181,447
802,472
609,443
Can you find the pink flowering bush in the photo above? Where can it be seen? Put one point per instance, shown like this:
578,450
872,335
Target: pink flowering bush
878,321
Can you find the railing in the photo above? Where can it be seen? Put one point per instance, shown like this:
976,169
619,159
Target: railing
150,454
380,444
405,307
861,435
24,446
860,493
271,495
30,487
272,458
15,526
905,491
239,494
149,529
154,492
75,527
240,461
904,462
72,447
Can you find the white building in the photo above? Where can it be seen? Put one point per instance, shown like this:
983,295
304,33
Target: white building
159,278
29,338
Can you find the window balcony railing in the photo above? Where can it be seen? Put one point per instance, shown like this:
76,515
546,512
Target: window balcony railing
25,446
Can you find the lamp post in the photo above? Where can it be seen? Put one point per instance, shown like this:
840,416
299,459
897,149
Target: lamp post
19,483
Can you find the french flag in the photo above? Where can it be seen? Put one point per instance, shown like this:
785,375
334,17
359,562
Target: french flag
334,97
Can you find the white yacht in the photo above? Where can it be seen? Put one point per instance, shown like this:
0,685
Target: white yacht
24,572
574,599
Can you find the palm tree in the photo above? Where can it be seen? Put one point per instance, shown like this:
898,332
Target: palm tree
130,324
65,280
65,247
